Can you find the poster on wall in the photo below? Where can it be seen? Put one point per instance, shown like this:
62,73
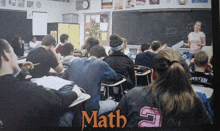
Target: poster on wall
129,4
199,1
21,3
97,26
107,4
118,4
30,4
140,2
2,3
153,2
12,2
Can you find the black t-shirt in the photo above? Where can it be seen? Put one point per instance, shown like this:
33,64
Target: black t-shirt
46,59
200,77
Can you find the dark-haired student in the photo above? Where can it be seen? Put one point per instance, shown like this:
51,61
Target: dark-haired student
33,42
88,73
168,101
25,105
64,38
90,42
18,45
120,62
146,58
68,54
46,56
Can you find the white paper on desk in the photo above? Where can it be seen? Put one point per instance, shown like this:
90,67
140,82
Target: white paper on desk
80,99
51,82
178,45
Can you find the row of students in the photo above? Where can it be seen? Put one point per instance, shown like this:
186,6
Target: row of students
167,64
25,105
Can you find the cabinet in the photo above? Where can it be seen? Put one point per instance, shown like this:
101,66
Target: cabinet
65,28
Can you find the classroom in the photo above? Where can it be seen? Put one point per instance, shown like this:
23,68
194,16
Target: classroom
106,64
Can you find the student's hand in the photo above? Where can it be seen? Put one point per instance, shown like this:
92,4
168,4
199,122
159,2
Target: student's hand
192,60
164,47
27,65
101,58
21,41
185,44
77,90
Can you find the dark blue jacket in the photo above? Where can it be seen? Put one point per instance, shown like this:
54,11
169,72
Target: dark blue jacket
145,59
87,73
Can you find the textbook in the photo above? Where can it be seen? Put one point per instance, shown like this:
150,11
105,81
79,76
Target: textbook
53,82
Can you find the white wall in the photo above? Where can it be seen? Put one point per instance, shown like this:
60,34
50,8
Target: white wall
53,9
95,6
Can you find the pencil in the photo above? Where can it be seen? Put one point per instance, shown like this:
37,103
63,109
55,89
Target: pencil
36,64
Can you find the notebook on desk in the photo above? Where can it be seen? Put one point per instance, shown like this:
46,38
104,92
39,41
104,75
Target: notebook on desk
53,82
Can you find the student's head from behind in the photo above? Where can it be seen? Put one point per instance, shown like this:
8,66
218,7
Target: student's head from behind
68,49
201,59
116,43
156,45
8,57
64,38
48,40
98,51
172,91
90,42
145,46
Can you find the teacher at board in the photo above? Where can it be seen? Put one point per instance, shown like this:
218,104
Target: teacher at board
196,40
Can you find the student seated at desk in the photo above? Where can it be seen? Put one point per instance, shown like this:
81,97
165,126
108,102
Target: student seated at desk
199,76
18,45
25,105
68,54
64,38
46,56
90,42
168,101
33,42
88,73
120,62
146,58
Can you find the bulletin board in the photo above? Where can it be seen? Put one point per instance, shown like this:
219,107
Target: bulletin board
97,25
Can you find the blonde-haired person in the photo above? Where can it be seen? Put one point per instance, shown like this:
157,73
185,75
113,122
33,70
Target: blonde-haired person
123,48
168,101
196,39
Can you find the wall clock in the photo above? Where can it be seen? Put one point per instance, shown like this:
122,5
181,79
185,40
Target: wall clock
85,4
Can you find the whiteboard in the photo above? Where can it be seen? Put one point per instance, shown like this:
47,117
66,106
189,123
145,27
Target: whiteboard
39,23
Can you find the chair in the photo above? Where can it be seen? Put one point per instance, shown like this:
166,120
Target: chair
141,71
118,82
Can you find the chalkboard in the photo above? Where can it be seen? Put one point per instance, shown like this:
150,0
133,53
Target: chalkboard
15,23
167,27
